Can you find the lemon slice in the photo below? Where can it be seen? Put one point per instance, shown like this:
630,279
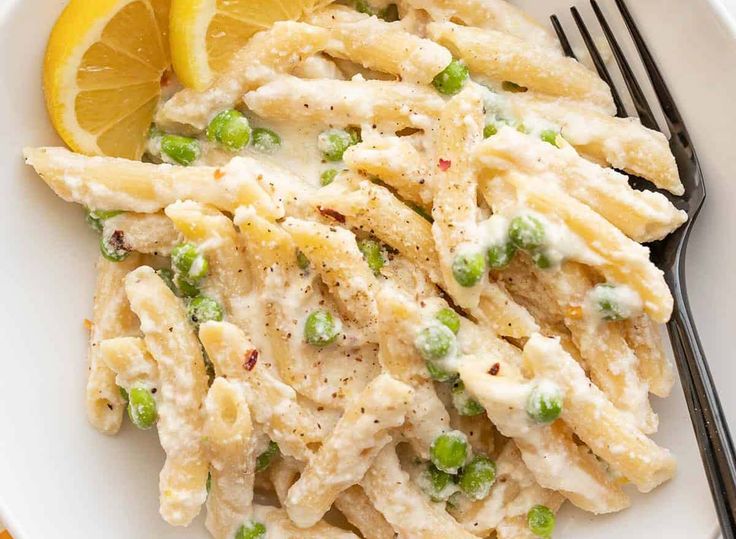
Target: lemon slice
102,73
206,33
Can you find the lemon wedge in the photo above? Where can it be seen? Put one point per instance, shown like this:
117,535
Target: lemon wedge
102,73
206,33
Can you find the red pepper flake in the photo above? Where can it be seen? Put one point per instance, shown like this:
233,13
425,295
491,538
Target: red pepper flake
493,371
219,173
444,165
118,242
251,358
336,215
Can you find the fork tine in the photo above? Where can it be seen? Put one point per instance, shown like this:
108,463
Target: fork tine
562,37
637,95
671,113
600,64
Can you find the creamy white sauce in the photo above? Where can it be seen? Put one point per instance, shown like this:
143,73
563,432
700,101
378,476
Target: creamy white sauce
624,299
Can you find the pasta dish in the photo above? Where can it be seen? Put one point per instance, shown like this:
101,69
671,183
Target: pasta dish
382,276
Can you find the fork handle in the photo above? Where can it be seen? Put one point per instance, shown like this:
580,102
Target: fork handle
706,414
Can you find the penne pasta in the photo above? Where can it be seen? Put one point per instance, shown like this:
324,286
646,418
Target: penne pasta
374,210
110,183
603,347
596,421
409,511
398,325
547,450
516,525
498,311
644,216
275,404
277,524
131,362
171,340
654,366
267,54
343,459
455,207
513,480
219,241
111,317
336,257
230,445
358,509
494,14
320,373
618,258
148,233
502,57
354,102
623,143
396,162
373,43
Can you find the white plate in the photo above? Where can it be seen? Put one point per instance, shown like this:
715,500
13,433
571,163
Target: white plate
60,478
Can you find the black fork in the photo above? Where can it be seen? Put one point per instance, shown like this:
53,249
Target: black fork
706,414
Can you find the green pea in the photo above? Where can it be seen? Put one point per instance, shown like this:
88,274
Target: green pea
373,254
185,287
541,521
451,80
333,143
435,342
265,459
544,404
477,478
449,451
449,318
96,218
231,129
526,232
509,86
321,328
181,150
439,373
607,303
114,247
500,256
468,268
142,407
187,261
362,6
204,309
542,259
123,393
251,530
167,276
463,402
302,261
328,176
390,13
550,136
438,485
489,130
265,140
